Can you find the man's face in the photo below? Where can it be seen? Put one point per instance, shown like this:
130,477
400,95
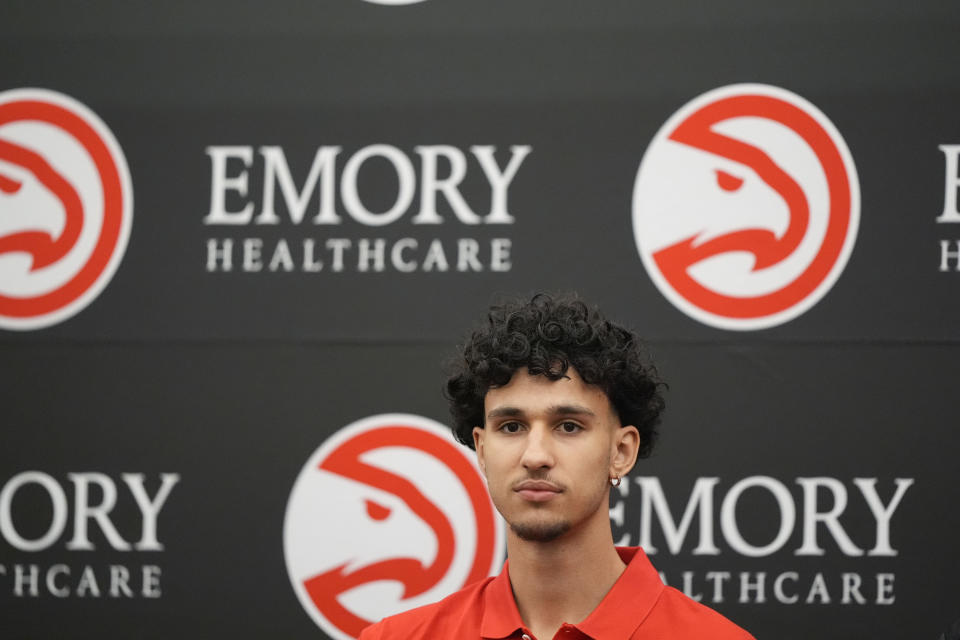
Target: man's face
548,449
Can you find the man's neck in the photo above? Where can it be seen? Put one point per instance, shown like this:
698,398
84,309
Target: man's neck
562,580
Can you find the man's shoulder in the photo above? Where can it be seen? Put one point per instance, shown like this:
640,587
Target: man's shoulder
461,609
680,613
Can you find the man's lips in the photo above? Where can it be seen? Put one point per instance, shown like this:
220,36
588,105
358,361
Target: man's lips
537,490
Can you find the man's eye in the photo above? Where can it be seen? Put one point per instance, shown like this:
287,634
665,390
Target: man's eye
9,185
510,427
570,427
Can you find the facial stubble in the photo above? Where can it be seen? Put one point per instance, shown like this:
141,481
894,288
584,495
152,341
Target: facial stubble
540,532
546,531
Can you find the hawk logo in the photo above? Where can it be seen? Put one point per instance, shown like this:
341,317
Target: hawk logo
746,207
388,514
65,207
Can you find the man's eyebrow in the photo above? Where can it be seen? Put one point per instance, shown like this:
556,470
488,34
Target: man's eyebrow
570,409
556,410
505,412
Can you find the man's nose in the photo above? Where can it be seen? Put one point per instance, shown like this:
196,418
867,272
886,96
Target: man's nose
538,452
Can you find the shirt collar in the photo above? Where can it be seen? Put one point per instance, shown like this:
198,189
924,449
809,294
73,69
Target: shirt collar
617,616
629,601
501,618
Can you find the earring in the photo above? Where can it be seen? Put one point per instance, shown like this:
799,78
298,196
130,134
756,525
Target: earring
615,481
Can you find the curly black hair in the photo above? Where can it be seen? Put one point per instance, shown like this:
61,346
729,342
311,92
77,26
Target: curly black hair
548,335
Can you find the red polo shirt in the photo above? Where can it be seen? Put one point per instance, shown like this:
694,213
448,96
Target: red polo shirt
638,607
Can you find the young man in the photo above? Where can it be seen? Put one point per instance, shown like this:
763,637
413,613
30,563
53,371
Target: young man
558,403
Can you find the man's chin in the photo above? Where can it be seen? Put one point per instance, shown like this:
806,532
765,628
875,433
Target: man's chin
540,531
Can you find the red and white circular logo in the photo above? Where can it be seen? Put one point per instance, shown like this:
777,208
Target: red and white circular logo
746,207
388,514
66,206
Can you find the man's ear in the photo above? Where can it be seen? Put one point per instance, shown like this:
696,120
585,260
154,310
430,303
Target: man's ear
478,434
626,444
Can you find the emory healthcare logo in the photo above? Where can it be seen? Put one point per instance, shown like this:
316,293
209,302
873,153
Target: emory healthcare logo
388,514
746,207
66,207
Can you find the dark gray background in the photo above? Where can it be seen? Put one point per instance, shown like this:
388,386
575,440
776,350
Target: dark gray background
232,380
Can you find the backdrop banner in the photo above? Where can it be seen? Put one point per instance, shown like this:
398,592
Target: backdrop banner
239,242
